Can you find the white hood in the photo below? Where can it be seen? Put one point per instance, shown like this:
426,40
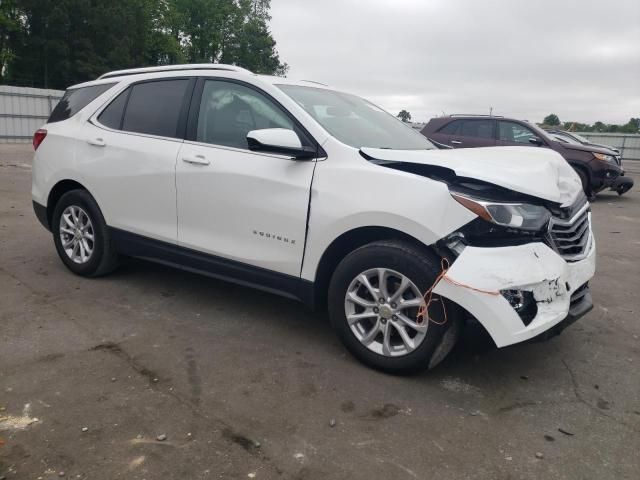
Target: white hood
539,172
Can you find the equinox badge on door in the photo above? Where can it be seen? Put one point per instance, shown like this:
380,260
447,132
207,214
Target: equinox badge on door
273,236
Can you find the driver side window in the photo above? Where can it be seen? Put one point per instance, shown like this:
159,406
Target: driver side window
229,111
514,132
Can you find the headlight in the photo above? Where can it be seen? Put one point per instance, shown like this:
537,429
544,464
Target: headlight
521,216
603,157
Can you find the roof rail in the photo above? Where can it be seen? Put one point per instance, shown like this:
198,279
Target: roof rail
174,68
474,115
313,81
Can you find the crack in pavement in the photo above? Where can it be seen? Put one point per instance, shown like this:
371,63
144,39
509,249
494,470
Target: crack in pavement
581,399
228,432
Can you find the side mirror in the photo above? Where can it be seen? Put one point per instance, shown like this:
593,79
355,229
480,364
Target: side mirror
536,141
279,140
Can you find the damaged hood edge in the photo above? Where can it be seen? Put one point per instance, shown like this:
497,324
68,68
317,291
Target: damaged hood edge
538,172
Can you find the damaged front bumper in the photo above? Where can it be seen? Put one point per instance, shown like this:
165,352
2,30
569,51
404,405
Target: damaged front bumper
614,179
479,277
621,184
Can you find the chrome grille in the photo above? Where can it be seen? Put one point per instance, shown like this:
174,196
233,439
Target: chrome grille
572,238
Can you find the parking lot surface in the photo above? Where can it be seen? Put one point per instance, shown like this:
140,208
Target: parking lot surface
153,373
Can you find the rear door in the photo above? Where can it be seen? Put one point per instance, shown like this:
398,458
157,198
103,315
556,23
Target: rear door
133,144
474,133
468,133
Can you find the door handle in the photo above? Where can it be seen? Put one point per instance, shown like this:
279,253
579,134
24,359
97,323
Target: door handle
456,142
195,160
96,142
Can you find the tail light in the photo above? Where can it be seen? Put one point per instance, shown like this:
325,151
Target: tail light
38,137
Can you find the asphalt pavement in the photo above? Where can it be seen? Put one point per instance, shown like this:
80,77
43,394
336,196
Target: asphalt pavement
152,373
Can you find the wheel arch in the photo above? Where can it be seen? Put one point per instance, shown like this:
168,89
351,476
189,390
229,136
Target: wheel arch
345,244
582,167
58,190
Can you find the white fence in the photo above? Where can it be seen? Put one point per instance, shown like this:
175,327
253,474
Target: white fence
628,143
23,111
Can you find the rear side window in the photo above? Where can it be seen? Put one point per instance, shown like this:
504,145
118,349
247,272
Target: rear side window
113,115
477,128
451,128
76,99
154,107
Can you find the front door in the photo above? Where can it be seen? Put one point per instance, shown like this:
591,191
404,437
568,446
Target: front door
516,134
237,204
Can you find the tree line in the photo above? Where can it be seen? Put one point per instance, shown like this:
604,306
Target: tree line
57,43
552,120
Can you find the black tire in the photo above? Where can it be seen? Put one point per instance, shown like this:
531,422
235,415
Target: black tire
421,267
104,258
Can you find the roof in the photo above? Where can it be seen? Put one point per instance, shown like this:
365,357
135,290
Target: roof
173,68
194,68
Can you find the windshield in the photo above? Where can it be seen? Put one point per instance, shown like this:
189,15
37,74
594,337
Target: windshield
355,121
563,138
579,138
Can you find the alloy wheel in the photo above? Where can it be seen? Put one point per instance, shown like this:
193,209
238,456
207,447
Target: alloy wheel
77,234
381,307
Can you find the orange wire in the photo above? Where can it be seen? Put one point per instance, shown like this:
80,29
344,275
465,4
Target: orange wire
423,312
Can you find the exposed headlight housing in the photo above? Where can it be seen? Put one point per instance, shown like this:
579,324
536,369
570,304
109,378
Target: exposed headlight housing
603,157
520,216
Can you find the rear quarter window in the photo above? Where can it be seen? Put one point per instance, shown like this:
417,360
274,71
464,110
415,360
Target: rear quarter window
75,99
112,116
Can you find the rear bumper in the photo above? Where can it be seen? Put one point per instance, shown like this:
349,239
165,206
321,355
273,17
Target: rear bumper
41,214
558,288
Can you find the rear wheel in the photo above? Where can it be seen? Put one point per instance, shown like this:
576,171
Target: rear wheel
375,297
81,235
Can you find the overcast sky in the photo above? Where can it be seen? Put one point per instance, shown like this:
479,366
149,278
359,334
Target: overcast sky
579,59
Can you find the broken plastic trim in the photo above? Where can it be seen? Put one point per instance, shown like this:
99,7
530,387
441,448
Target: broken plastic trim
523,302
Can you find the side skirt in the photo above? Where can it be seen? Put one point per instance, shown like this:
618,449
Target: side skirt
135,245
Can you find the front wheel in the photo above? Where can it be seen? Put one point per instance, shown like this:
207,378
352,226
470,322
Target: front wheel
586,184
375,297
81,235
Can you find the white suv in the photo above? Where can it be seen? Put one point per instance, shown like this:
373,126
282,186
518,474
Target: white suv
318,195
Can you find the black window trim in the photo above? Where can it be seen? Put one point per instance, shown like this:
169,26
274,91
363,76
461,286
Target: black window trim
190,110
182,116
191,132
